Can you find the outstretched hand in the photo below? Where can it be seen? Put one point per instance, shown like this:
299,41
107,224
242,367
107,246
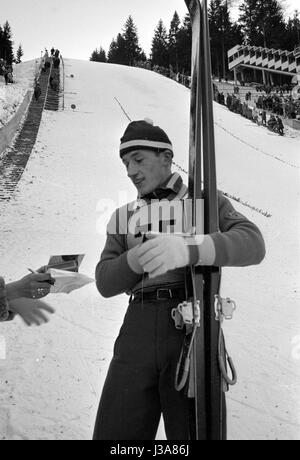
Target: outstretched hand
32,286
31,311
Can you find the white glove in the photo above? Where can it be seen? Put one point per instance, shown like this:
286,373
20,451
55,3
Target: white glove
162,253
133,260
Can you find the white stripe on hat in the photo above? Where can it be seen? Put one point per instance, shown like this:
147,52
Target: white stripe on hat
146,143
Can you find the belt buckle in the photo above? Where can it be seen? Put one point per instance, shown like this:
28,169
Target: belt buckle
169,291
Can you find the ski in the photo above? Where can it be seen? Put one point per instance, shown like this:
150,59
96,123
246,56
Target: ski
206,385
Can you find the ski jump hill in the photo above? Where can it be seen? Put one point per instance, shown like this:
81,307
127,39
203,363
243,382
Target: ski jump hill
51,379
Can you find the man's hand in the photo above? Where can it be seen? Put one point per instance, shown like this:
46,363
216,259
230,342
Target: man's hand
31,311
162,253
32,286
133,260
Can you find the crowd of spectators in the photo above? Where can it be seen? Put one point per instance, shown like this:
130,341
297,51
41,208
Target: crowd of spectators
280,104
46,62
54,58
279,100
182,78
257,113
265,98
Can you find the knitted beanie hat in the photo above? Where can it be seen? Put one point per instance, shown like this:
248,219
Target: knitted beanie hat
143,135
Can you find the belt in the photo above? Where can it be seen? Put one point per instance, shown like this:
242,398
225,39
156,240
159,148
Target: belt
161,294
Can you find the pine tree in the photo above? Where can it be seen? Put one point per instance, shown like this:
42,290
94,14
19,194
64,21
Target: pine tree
262,23
223,34
20,53
173,41
102,55
159,49
112,52
94,55
98,56
292,35
133,52
184,45
271,23
7,44
248,21
117,51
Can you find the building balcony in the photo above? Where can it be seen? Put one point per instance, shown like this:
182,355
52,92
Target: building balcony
271,63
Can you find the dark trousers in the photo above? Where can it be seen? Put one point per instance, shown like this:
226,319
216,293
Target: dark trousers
140,382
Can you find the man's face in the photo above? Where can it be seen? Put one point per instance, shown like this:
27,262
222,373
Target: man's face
146,169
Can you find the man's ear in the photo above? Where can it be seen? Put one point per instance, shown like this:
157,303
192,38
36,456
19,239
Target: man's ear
168,156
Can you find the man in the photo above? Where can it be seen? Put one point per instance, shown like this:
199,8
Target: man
280,126
272,123
37,91
151,268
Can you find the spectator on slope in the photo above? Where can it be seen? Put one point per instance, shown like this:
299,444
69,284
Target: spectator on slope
236,90
259,118
228,100
56,62
10,75
255,114
151,269
55,84
23,298
37,91
280,126
5,73
3,70
264,118
43,64
272,122
47,64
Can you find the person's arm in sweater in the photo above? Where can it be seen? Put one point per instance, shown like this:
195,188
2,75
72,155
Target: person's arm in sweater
238,244
117,271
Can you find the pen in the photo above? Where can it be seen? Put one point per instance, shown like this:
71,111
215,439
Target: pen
51,281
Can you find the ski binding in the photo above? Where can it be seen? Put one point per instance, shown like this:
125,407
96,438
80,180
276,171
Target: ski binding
187,313
224,308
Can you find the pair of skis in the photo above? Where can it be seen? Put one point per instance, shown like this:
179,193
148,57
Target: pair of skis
202,370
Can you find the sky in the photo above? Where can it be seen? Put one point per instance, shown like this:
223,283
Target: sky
77,27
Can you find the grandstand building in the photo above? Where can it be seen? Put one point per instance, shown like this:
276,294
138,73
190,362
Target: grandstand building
270,66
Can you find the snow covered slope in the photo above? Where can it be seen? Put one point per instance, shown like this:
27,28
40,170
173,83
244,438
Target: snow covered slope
51,381
11,96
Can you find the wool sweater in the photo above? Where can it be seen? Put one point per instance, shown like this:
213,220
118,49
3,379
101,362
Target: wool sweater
238,243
